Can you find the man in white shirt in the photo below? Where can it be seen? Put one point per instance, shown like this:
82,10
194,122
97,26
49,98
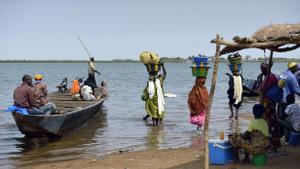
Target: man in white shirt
292,121
87,93
91,81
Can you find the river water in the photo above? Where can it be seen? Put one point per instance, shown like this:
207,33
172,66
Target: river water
119,125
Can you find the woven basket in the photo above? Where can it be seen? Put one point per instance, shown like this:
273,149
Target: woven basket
153,68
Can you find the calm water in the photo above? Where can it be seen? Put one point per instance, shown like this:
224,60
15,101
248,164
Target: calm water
119,126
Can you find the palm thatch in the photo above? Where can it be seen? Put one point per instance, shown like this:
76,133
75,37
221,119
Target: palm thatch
277,32
274,37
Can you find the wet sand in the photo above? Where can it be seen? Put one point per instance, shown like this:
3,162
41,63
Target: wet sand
181,158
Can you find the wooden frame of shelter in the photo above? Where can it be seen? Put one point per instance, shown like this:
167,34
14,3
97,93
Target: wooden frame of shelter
274,37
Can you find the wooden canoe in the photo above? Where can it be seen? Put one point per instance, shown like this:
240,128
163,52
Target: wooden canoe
72,114
250,88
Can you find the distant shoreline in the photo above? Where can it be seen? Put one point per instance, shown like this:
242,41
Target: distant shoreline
112,61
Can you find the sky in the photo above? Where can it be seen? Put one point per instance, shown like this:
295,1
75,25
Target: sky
121,29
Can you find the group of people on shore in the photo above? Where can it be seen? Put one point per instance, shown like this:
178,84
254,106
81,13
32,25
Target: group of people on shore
275,115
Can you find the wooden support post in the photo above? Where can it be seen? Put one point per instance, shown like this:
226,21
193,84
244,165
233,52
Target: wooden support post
211,94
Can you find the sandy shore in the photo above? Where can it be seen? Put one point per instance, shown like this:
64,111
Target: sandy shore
182,158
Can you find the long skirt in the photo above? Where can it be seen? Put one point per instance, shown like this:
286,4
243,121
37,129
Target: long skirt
198,119
271,117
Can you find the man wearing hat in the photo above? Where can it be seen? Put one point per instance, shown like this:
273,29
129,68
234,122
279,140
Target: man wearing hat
24,97
289,85
41,90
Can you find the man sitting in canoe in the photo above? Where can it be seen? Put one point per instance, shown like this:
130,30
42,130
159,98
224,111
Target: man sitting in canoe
41,90
24,97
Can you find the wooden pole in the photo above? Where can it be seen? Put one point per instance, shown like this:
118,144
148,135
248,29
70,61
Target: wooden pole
211,94
85,48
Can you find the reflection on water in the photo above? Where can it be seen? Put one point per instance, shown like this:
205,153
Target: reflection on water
155,137
121,127
70,146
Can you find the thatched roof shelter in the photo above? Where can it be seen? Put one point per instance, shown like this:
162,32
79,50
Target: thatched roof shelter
274,37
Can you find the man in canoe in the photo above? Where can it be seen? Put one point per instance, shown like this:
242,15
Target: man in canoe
41,90
24,97
91,81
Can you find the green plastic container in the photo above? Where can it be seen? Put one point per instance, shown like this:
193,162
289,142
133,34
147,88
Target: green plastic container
199,71
259,159
235,61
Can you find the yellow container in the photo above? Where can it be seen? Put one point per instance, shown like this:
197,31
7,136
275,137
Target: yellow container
154,68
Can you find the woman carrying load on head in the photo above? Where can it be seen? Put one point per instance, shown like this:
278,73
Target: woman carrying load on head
161,76
198,96
271,94
235,90
153,93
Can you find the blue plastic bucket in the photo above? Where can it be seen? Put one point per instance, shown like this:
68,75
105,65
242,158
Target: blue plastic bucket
200,64
294,138
201,59
221,152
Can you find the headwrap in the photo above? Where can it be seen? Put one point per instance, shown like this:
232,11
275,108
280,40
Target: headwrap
198,98
264,65
258,110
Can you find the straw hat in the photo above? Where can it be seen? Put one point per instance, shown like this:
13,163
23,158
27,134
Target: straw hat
291,65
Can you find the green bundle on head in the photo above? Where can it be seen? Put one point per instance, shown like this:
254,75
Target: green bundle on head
235,59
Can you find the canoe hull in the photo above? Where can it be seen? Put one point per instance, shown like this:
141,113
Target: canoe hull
55,125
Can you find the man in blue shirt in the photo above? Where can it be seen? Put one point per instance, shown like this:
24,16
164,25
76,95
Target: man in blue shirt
291,84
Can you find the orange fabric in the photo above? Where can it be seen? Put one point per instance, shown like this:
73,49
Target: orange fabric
198,98
75,87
